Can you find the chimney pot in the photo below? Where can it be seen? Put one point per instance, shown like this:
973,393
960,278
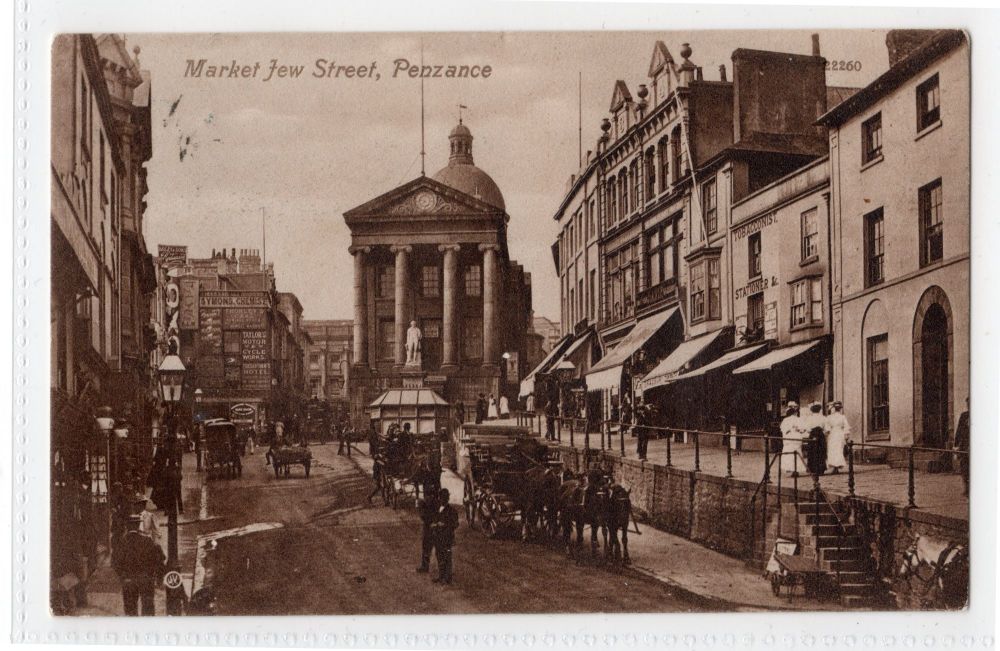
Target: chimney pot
722,72
815,44
698,75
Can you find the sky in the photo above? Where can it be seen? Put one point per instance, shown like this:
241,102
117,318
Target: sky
304,150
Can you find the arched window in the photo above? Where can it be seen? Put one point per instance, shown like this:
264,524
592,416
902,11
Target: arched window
623,193
677,152
612,203
650,174
636,173
663,150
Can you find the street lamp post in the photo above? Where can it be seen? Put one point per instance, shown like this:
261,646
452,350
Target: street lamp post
198,397
171,375
105,424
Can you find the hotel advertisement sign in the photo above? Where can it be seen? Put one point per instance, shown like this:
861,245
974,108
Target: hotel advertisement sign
244,318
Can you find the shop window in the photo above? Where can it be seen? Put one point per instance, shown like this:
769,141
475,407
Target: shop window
810,234
473,280
874,248
871,136
878,383
931,224
753,255
430,281
807,302
928,103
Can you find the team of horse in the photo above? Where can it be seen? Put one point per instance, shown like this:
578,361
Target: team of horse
942,568
561,505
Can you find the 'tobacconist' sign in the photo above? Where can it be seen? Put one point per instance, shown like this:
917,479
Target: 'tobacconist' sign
216,298
756,225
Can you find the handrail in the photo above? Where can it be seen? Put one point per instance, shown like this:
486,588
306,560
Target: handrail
840,525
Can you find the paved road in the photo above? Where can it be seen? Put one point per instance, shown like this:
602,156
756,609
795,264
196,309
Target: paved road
336,554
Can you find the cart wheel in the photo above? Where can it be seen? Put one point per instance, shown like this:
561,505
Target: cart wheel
776,586
277,470
469,502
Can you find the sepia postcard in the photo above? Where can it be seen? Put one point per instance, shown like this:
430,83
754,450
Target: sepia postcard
352,323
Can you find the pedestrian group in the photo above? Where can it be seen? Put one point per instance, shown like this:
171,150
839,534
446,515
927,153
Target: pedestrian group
814,442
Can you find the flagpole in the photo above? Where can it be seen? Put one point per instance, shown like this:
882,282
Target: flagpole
423,153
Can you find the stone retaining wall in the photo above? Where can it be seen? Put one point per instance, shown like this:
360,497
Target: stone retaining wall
726,515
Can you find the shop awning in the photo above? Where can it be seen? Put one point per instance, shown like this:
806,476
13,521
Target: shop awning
731,357
607,372
528,383
675,362
409,398
776,357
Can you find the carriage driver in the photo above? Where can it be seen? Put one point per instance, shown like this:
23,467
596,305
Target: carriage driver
443,536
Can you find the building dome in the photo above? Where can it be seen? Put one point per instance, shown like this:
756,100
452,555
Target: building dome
463,175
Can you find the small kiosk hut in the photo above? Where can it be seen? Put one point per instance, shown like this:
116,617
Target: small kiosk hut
423,409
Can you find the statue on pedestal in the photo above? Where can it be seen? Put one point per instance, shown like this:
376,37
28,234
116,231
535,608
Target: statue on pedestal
413,352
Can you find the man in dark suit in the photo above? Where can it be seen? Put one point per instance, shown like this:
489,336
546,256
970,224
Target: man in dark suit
480,409
139,563
428,509
443,528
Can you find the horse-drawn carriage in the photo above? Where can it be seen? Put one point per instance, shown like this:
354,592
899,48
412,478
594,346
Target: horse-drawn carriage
509,481
407,465
222,449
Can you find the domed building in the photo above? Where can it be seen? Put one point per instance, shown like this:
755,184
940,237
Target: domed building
434,251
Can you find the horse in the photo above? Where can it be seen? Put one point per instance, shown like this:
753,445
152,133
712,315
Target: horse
583,502
949,564
537,500
617,516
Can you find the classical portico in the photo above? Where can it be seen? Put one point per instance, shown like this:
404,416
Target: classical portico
434,251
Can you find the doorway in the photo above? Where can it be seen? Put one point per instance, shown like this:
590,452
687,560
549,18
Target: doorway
934,366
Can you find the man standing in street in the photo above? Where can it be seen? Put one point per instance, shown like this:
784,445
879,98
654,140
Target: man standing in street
641,432
480,409
428,509
443,536
139,563
962,447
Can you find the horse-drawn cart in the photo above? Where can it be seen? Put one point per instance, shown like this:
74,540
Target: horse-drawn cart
505,476
283,457
222,451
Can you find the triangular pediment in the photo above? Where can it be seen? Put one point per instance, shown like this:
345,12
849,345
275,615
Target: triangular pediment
620,97
660,59
423,197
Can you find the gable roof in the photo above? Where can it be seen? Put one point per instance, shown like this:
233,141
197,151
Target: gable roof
620,96
660,58
400,200
940,44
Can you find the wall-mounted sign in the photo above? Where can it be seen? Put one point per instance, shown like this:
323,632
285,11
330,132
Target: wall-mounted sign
244,318
188,318
242,412
223,298
256,376
754,286
253,346
172,255
755,226
210,332
173,297
771,320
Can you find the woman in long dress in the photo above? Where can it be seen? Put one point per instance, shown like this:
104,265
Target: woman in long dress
815,426
838,433
792,433
491,413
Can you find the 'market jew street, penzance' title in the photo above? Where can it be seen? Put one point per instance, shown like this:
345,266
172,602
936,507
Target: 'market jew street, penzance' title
331,69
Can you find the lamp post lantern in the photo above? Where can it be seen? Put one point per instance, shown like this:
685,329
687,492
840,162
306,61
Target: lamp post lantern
171,376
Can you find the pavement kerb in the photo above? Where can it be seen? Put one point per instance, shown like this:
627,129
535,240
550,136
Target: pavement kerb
707,600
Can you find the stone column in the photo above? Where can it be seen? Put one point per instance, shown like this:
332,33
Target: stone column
360,307
449,320
402,298
491,295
